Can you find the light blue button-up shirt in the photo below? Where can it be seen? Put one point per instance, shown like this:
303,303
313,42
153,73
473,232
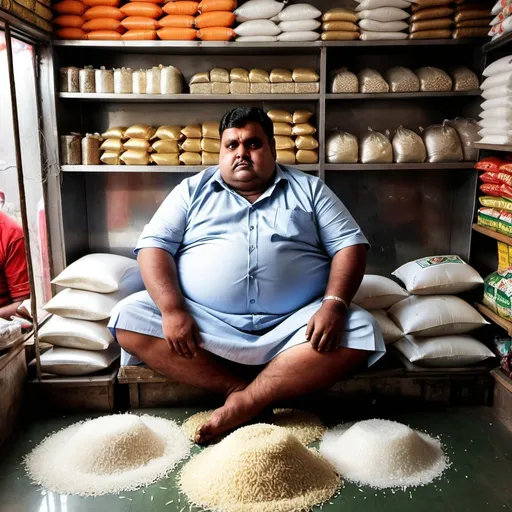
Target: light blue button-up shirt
252,265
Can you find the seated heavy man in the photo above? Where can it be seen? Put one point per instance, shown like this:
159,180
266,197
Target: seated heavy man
255,264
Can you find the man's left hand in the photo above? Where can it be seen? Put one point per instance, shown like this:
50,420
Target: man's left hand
325,329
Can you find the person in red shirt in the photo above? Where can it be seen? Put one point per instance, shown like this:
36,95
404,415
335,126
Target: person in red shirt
14,284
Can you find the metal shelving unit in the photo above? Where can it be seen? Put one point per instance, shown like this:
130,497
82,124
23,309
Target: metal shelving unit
493,147
498,44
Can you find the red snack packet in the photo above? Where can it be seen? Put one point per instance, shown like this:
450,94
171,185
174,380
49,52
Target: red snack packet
490,163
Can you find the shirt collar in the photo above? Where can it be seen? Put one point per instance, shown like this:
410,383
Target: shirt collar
279,176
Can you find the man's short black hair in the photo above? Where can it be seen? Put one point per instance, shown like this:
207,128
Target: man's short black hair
240,116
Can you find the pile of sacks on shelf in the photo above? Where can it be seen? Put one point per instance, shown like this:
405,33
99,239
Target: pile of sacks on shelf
82,343
471,19
496,117
383,19
255,81
142,144
294,135
451,141
270,20
36,12
425,322
496,211
502,22
339,24
401,79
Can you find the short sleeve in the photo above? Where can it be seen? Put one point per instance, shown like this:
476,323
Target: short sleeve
167,227
336,226
15,270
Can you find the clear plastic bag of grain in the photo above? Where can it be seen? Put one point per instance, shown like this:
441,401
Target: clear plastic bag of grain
104,79
123,81
433,79
87,79
467,130
371,81
70,149
341,148
344,81
408,147
402,79
69,79
443,144
91,149
171,80
154,80
375,148
139,82
464,79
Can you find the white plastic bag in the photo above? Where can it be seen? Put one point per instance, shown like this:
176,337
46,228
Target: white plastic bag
437,275
497,92
496,139
443,351
375,148
299,12
498,124
435,315
298,36
408,147
501,28
258,10
378,292
499,5
382,26
500,66
497,80
384,14
258,28
341,148
256,39
390,331
299,26
375,4
497,113
381,36
487,132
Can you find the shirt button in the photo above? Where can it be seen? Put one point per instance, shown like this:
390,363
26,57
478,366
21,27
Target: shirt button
251,228
252,301
251,276
252,247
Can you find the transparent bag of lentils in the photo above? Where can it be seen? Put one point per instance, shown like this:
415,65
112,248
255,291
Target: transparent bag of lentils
375,148
408,147
443,144
371,81
171,81
69,79
341,148
344,81
71,149
87,79
433,79
464,79
123,83
467,130
91,149
402,79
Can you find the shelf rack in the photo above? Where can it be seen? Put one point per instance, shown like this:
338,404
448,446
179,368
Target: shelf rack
492,234
493,147
402,95
157,168
499,43
178,98
504,324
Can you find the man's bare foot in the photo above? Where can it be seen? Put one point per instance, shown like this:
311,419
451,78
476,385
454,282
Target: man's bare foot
237,410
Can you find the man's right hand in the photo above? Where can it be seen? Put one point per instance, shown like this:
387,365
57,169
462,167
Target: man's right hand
181,332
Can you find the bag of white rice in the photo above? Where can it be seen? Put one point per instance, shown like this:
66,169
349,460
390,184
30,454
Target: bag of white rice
437,315
299,12
71,333
102,273
375,148
258,10
378,292
384,14
71,361
341,148
437,275
443,351
257,28
502,65
390,331
498,293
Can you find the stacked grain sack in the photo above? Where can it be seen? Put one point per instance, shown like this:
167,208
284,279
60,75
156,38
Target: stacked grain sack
35,12
215,20
496,117
178,22
78,329
501,23
69,19
294,135
254,18
191,146
383,19
210,143
436,324
103,20
431,19
141,20
299,23
472,20
339,24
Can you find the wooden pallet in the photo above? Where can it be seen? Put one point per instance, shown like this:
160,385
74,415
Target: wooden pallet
502,405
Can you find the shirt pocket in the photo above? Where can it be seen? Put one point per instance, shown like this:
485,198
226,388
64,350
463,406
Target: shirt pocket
296,225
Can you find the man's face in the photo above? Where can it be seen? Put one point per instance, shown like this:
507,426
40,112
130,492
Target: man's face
247,158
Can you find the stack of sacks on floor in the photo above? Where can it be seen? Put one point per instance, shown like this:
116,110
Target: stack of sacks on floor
496,117
502,22
339,24
431,19
78,328
434,321
294,135
383,19
69,18
471,19
254,19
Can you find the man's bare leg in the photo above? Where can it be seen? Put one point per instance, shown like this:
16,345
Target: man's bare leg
205,371
297,371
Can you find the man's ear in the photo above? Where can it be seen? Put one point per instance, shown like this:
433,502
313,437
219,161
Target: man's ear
273,147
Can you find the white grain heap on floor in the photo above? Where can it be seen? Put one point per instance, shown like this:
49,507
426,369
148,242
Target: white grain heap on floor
258,468
307,427
382,454
109,454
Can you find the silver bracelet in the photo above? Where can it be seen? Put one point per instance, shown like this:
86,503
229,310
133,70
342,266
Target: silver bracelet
338,299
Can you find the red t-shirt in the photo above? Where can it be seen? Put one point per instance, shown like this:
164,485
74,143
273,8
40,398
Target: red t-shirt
13,265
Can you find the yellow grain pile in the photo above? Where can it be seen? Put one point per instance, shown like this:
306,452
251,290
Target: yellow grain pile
258,468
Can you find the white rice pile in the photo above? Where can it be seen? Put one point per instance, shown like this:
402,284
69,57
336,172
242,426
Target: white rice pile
258,468
306,426
109,454
382,454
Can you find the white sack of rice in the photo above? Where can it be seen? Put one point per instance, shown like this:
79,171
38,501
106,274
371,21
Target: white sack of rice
307,427
258,468
382,453
109,454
